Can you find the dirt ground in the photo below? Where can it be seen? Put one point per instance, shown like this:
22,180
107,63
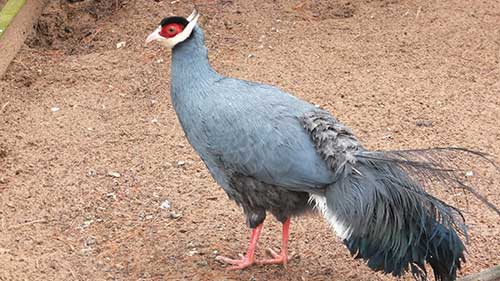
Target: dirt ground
90,146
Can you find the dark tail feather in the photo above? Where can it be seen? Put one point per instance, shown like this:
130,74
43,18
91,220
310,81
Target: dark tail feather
379,208
443,264
388,220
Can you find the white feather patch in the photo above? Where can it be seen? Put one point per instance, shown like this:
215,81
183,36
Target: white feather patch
341,228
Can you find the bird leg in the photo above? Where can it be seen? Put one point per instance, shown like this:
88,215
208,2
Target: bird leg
249,258
282,257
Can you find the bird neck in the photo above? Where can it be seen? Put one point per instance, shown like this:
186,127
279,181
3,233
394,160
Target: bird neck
190,62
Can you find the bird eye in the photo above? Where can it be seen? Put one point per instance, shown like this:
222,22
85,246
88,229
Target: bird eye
170,30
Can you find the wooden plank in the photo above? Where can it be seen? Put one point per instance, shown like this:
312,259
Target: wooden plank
8,12
490,274
17,18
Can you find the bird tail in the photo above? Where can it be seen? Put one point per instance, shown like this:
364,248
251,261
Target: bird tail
378,207
387,219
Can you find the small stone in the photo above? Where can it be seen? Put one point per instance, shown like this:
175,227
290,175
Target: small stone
154,120
141,215
55,109
111,195
121,44
251,56
174,215
202,263
149,217
85,251
469,174
192,252
159,61
90,241
114,174
92,173
181,163
424,123
165,205
87,223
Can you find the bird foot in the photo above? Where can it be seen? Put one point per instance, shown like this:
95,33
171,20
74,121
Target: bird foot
281,258
238,264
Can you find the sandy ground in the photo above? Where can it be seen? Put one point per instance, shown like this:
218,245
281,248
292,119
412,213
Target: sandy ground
90,146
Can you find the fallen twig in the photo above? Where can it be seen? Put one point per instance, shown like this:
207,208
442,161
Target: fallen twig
4,106
91,36
418,11
72,272
28,223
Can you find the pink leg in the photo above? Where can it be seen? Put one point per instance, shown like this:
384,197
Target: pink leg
282,257
249,258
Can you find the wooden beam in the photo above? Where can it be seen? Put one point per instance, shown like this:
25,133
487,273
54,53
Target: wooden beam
490,274
16,22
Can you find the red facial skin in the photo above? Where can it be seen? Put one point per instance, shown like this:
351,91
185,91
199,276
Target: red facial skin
170,30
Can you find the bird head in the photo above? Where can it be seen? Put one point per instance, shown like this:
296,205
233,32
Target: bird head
173,30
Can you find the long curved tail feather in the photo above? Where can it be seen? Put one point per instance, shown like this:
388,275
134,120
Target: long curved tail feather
437,164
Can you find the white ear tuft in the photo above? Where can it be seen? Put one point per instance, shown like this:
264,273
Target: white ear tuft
192,15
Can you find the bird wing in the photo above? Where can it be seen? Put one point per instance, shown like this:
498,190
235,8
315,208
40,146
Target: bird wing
260,135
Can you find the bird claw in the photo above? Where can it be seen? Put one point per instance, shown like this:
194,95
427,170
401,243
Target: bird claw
281,258
238,264
244,261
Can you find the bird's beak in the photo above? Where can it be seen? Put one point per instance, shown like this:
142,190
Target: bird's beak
155,35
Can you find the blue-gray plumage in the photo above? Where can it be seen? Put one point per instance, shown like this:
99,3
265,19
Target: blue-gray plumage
272,152
211,115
